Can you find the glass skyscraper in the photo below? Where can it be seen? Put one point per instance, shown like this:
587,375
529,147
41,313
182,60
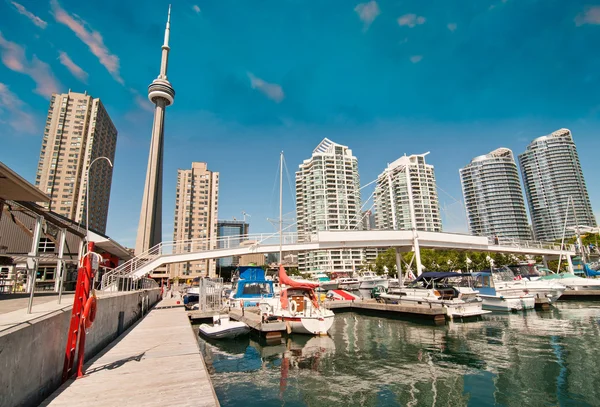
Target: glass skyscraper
229,233
552,175
493,196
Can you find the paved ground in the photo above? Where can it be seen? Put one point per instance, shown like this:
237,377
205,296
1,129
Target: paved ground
14,302
14,311
156,363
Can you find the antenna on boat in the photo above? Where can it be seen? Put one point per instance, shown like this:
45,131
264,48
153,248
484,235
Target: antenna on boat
281,208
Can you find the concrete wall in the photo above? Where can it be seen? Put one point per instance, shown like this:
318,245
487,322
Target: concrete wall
32,354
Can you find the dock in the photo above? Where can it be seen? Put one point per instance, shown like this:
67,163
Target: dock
157,362
580,295
252,318
427,311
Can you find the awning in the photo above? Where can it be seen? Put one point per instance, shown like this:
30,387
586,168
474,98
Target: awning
14,187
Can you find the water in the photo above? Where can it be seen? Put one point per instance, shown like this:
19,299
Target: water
535,359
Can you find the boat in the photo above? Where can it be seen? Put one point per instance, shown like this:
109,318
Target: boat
369,280
507,283
493,301
223,328
251,287
342,295
325,284
591,269
298,307
348,283
573,282
450,290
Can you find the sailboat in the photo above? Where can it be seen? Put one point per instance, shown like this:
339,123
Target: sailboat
297,304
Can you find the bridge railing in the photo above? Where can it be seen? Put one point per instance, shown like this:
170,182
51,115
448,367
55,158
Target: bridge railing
112,279
528,244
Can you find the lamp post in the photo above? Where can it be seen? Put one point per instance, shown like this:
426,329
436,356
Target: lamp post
87,194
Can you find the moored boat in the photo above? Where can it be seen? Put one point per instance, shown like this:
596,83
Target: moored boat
506,283
348,283
493,301
573,282
368,280
298,307
457,296
251,287
223,328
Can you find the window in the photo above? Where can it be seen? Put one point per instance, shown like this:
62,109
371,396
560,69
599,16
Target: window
46,245
45,273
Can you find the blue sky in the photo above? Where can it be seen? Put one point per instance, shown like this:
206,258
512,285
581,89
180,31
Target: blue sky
253,78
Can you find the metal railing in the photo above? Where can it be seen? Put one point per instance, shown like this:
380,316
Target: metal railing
528,244
110,280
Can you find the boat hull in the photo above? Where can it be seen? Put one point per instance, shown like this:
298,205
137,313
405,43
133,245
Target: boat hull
228,331
349,286
328,285
370,284
309,325
507,303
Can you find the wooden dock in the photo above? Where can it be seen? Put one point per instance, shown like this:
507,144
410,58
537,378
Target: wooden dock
427,311
157,362
252,318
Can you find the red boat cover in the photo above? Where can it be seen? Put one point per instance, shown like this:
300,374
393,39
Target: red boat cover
284,279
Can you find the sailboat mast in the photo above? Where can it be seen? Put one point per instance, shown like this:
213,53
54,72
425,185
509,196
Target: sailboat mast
281,208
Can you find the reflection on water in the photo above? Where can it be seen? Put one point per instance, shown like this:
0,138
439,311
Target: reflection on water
532,359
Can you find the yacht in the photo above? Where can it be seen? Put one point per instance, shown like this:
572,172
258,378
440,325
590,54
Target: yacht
573,282
250,288
348,283
450,290
369,280
494,301
325,284
507,283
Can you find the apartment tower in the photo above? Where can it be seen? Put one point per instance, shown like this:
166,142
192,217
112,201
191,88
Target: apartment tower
409,177
78,130
195,226
552,176
328,198
493,196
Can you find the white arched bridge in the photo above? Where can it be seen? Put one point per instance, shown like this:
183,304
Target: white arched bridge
203,249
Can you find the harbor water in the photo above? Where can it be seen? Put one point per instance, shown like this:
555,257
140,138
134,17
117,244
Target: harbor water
538,358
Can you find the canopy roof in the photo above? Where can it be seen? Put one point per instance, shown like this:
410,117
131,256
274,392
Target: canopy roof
14,187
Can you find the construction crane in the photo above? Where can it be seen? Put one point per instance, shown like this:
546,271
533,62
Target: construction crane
244,213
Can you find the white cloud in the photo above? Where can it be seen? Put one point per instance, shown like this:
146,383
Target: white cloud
93,39
13,57
411,20
196,8
452,26
416,58
16,116
272,90
72,67
34,19
142,102
591,15
367,12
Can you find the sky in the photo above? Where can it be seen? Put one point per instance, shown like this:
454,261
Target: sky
254,78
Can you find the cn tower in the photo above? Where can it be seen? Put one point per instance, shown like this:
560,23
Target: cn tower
161,93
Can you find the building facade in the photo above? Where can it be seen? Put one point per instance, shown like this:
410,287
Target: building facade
552,175
392,198
78,130
196,211
493,196
231,233
328,198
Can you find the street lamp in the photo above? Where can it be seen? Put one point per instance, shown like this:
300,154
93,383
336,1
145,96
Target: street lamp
87,194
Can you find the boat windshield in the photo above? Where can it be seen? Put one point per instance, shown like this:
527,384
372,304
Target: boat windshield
256,289
504,274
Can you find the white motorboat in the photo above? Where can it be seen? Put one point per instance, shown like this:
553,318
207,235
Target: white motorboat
458,297
223,328
369,280
348,283
493,301
573,282
506,283
298,307
325,284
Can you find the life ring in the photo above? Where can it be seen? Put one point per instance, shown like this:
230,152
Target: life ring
293,307
89,311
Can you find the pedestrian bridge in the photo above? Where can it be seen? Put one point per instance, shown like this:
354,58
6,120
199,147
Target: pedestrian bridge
203,249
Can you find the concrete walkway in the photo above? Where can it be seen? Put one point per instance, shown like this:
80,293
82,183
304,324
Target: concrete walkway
14,311
156,363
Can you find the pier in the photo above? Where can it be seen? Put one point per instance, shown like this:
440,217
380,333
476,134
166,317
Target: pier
426,311
157,362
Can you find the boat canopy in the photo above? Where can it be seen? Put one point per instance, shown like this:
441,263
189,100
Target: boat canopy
438,275
253,284
251,273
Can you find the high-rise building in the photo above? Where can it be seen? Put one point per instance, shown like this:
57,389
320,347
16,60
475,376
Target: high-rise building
162,94
78,130
195,226
493,196
393,204
230,233
328,198
552,175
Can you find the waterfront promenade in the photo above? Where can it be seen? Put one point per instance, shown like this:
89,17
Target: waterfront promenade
155,363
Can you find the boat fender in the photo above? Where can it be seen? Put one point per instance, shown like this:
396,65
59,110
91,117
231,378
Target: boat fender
293,307
89,311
